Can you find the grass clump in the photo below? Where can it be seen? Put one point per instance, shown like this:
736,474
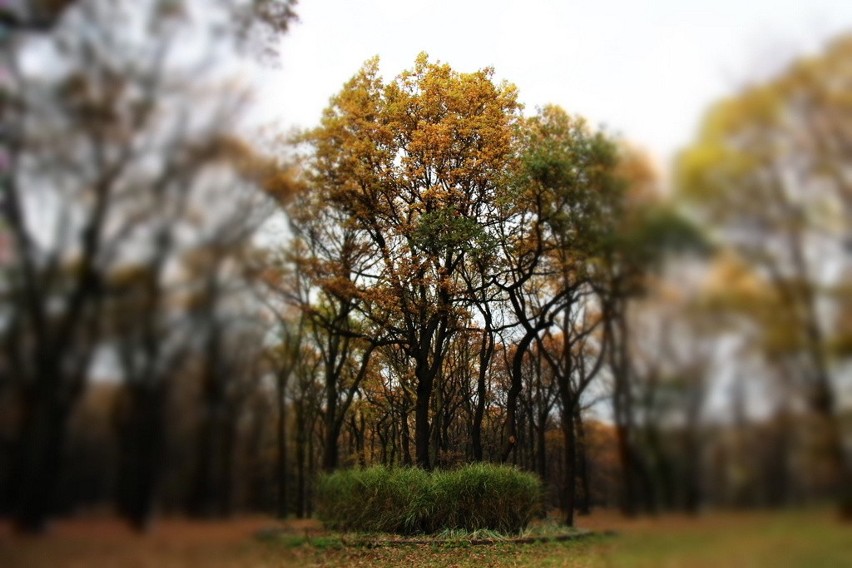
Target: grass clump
375,499
478,497
484,497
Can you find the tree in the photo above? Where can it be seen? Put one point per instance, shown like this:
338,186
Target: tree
34,16
571,172
125,178
415,165
329,257
769,171
283,359
647,233
552,233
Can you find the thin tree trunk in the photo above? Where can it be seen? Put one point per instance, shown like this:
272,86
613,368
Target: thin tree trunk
570,458
541,448
312,473
585,504
436,427
301,474
485,354
38,459
622,407
425,380
405,435
140,434
517,377
281,445
331,427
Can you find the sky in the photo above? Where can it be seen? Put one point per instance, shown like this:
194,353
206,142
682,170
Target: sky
646,70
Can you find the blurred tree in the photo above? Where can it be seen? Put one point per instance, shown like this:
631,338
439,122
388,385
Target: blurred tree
769,172
649,231
284,360
32,15
112,154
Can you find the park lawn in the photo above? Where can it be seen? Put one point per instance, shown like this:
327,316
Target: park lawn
776,540
806,539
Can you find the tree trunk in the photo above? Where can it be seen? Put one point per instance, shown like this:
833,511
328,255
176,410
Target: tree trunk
39,452
331,445
541,448
569,468
212,486
425,380
824,406
622,408
485,354
357,425
436,427
140,434
281,445
312,472
405,436
585,505
301,474
258,495
517,377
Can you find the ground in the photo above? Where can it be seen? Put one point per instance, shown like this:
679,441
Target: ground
777,540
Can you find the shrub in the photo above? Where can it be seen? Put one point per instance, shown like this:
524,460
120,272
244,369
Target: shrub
485,496
376,499
409,500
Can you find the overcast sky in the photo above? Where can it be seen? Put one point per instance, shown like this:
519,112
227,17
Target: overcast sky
644,69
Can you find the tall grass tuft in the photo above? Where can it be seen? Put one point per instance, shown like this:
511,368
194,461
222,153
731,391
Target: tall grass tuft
485,496
410,501
376,499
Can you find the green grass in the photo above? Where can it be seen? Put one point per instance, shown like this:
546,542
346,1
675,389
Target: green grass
375,499
774,540
789,539
802,539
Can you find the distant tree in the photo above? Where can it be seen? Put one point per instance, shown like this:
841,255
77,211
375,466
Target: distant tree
329,258
32,15
769,173
650,232
105,133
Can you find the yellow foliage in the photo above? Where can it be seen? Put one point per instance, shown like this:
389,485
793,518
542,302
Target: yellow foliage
394,156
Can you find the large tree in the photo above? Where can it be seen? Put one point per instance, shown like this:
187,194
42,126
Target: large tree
416,165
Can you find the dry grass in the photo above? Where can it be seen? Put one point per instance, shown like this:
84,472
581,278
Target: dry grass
106,543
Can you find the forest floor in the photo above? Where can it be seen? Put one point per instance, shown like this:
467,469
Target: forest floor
719,539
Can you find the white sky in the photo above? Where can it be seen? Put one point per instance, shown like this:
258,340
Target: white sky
644,69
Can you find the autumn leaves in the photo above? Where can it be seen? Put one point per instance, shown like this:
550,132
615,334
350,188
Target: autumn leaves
447,197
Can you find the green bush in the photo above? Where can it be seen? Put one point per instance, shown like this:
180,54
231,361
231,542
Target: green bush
485,496
409,500
375,499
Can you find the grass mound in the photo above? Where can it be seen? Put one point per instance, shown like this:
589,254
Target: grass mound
410,501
